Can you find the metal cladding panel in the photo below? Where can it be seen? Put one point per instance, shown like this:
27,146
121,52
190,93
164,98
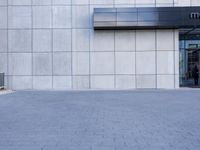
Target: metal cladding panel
146,18
2,80
127,17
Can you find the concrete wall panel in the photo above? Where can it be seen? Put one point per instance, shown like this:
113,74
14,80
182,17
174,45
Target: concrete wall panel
182,2
3,63
102,63
62,17
146,81
62,2
42,17
162,43
41,2
3,2
42,40
62,63
81,18
107,2
19,17
165,81
81,40
42,82
42,64
125,82
165,62
3,17
19,40
102,41
125,40
145,40
3,41
20,64
145,63
62,82
82,2
62,40
20,82
19,2
125,62
81,63
102,82
81,82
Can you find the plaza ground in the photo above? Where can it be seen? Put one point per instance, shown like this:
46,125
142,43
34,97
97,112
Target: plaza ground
100,120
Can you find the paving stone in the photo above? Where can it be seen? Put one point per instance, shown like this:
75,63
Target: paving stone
100,120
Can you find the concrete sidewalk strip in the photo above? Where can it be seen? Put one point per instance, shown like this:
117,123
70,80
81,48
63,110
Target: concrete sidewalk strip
100,120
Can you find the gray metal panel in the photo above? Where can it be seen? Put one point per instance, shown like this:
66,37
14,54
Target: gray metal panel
146,18
104,24
1,80
129,24
106,17
126,17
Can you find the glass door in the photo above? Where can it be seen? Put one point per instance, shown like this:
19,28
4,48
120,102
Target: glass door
189,58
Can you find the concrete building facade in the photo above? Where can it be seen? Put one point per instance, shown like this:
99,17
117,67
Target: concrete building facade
51,44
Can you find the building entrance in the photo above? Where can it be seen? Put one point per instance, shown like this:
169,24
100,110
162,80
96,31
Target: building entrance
189,45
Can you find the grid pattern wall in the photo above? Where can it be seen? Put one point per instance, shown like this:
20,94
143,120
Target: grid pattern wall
51,44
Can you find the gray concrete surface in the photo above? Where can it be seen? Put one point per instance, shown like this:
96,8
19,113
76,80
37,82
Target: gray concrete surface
100,120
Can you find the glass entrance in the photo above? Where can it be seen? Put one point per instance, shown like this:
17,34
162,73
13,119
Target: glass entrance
189,45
